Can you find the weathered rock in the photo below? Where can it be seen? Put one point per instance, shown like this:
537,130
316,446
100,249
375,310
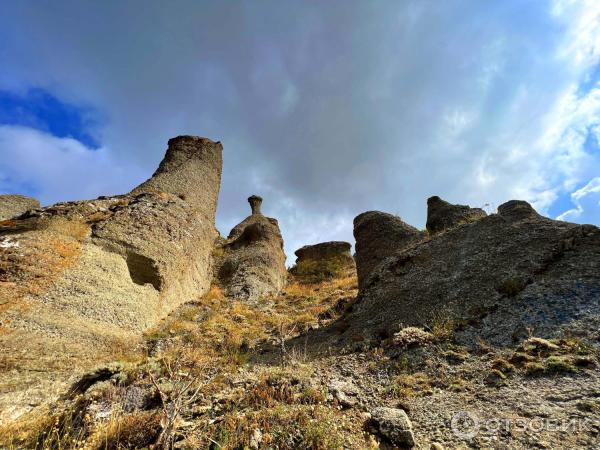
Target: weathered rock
442,215
345,393
502,273
252,261
15,205
394,425
324,260
90,275
379,235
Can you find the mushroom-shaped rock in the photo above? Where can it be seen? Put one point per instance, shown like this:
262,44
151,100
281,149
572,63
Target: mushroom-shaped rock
252,261
378,235
324,260
15,205
442,215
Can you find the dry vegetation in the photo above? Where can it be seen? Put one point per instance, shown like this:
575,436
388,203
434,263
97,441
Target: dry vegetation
217,375
201,386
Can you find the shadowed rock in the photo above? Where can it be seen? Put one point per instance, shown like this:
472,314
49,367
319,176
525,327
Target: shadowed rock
255,204
252,261
497,276
442,215
15,205
379,235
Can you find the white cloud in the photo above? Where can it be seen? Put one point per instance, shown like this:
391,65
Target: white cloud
587,204
57,168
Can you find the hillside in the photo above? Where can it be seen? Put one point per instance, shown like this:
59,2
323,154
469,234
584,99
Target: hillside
129,322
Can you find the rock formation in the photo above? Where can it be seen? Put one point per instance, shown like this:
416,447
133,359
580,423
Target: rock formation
251,262
497,276
442,215
15,205
92,274
324,260
379,235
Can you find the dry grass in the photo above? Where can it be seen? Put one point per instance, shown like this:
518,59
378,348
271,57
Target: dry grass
213,342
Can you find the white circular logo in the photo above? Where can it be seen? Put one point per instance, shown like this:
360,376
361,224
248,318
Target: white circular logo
465,425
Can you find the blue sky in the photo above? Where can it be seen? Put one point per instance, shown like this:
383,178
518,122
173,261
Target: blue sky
324,111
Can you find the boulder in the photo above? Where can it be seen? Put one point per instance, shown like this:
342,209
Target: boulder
15,205
80,280
324,260
442,215
506,272
393,425
251,262
379,235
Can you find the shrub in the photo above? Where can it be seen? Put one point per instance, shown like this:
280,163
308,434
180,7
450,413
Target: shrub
412,336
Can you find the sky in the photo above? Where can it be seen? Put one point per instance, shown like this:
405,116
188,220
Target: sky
325,108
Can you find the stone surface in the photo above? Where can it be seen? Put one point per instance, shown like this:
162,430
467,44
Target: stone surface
394,425
442,215
78,279
379,235
15,205
501,277
251,261
324,260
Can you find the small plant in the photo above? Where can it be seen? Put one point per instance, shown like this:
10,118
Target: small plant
521,358
534,368
174,388
502,365
412,336
412,385
456,356
558,364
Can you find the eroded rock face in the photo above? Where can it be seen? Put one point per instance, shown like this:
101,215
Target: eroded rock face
324,260
497,276
442,215
252,261
79,279
15,205
379,235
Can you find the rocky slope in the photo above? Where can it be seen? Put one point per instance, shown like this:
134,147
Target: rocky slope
479,332
80,281
501,277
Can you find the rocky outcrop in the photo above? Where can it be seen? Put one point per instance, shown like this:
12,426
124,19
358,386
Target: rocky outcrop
496,277
379,235
251,262
442,215
90,275
15,205
324,260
